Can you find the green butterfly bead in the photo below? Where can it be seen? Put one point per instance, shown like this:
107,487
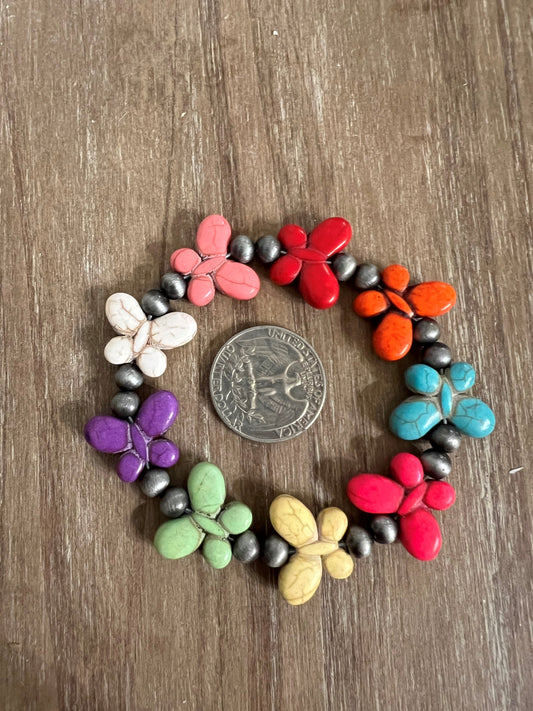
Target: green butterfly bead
206,525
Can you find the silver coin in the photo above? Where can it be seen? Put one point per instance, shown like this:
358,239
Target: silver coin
267,384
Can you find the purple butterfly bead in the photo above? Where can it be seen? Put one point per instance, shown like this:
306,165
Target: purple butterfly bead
141,441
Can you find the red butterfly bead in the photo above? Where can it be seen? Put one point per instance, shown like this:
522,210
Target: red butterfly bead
411,498
400,303
307,258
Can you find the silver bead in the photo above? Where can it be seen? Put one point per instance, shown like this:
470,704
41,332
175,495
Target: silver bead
445,437
275,551
174,502
437,465
384,529
154,482
343,266
129,377
173,285
268,249
438,355
155,303
367,276
426,331
246,547
359,542
125,404
241,248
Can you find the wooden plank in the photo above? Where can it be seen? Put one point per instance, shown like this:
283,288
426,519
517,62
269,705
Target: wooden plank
123,124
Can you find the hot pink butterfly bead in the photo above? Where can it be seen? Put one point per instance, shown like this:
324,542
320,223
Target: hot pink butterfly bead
209,268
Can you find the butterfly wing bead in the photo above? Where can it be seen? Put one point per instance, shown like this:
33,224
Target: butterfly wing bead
431,299
393,337
178,538
473,417
172,330
299,578
124,314
293,521
330,236
213,236
207,488
108,434
374,493
158,413
414,418
237,280
420,534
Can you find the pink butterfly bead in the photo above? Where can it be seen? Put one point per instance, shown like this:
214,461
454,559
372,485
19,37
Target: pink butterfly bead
209,268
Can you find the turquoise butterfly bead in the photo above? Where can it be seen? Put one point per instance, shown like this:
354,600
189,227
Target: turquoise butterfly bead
208,524
441,397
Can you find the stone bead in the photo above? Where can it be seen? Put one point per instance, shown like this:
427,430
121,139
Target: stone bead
178,538
275,551
241,249
367,276
207,488
359,542
174,502
154,482
246,548
426,331
332,524
413,499
420,534
236,517
173,285
437,465
125,404
374,493
217,552
282,515
339,564
384,529
445,437
155,303
129,377
343,266
439,495
438,355
268,249
299,579
407,469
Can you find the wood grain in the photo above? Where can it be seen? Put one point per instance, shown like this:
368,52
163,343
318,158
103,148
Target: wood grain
123,124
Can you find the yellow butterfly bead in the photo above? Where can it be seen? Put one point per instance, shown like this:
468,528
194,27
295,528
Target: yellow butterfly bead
316,542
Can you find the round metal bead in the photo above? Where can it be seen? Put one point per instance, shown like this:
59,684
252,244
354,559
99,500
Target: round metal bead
268,249
438,355
367,276
359,542
343,266
241,248
384,529
174,502
275,551
154,482
155,303
246,547
437,465
445,437
173,285
129,377
125,404
426,331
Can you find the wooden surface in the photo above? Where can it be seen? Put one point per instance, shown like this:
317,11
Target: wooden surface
123,124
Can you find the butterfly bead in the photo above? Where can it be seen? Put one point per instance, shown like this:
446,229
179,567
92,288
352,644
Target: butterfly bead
144,340
208,524
316,543
441,397
408,496
306,257
398,304
210,268
140,442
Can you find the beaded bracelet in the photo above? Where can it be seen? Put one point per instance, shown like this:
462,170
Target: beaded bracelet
439,410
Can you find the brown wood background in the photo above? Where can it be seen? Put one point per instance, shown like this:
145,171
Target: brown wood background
125,123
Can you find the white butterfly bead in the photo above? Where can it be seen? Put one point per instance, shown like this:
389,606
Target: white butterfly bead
142,340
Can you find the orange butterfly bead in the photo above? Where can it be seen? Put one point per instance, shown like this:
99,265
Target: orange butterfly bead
399,304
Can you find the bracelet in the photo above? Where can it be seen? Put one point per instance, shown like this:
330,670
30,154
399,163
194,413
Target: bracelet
254,377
